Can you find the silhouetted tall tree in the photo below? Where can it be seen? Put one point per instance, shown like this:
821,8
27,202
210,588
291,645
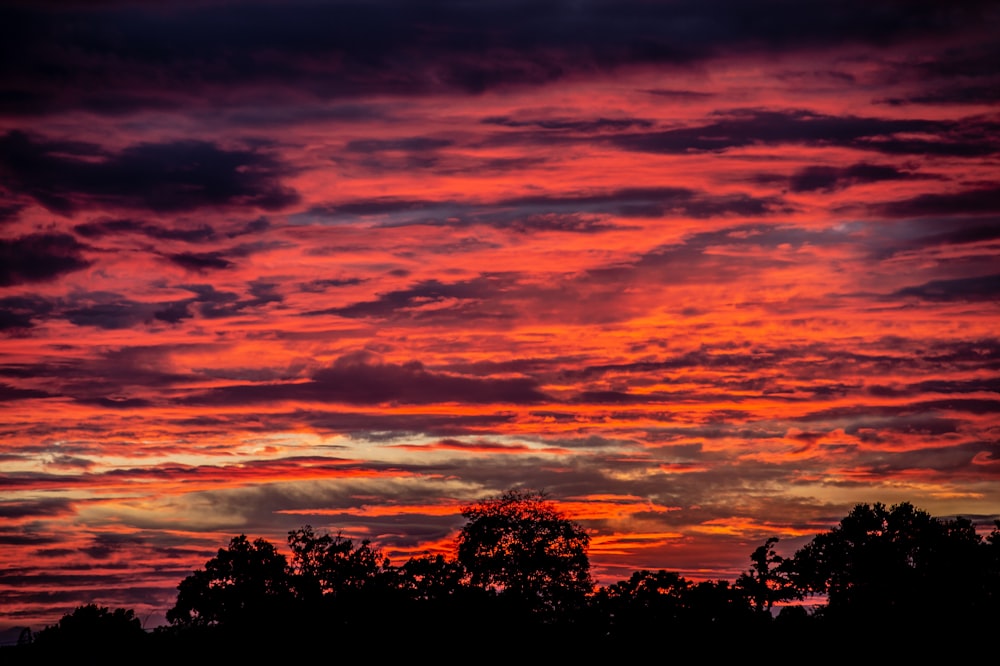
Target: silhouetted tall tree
894,563
246,583
767,582
520,546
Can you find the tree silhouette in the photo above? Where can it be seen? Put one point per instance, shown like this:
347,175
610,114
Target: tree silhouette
246,583
331,565
894,563
716,605
92,629
521,547
646,602
881,570
432,579
767,582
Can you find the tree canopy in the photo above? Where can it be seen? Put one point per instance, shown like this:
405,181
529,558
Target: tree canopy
521,564
324,564
767,582
522,547
896,562
244,582
92,626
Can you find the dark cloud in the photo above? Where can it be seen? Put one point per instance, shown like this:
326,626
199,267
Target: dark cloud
412,144
319,286
215,304
200,262
919,234
983,288
116,58
173,313
102,228
955,234
876,429
113,311
829,179
381,206
10,211
20,312
739,369
8,393
263,292
465,295
652,202
615,398
978,201
39,258
570,213
35,508
69,462
561,222
367,426
742,128
399,154
571,125
941,461
915,417
678,94
979,353
977,233
975,93
696,259
987,385
362,379
11,536
174,176
256,226
116,403
962,405
109,311
103,546
965,73
267,117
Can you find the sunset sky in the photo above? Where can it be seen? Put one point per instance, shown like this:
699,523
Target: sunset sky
705,271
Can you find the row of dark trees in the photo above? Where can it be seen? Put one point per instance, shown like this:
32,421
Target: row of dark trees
521,574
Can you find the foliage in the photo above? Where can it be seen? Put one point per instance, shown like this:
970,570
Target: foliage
650,601
645,602
432,579
716,604
92,627
521,547
242,584
893,562
519,560
767,582
331,565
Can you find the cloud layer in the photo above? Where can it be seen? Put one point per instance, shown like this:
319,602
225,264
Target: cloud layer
705,272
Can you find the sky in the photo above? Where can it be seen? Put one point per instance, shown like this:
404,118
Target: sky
705,272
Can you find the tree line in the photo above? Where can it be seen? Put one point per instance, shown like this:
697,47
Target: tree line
521,577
